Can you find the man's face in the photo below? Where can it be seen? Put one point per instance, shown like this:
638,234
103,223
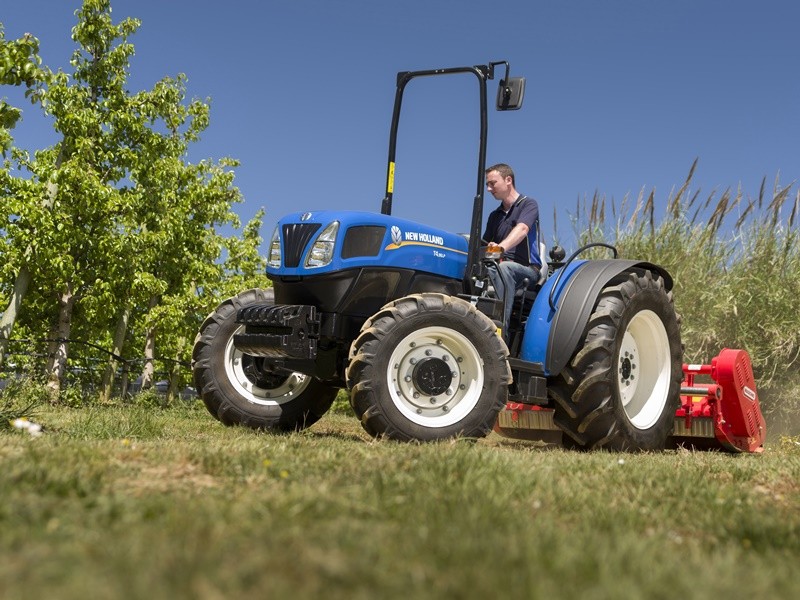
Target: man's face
497,184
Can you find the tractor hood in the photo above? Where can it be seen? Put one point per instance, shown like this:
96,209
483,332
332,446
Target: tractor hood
306,244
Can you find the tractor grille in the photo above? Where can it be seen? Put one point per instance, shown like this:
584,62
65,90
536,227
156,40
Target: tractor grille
295,238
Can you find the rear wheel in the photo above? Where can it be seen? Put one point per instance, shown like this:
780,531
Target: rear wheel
237,388
621,388
428,367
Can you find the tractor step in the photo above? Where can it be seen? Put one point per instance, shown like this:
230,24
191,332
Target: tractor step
528,422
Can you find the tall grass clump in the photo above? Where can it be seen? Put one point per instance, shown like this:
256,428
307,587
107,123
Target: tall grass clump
735,261
19,399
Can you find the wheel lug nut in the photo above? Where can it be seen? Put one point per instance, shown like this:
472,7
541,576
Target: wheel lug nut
433,400
428,352
407,378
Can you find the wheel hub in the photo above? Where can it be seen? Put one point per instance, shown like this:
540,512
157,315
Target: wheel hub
432,376
627,369
435,376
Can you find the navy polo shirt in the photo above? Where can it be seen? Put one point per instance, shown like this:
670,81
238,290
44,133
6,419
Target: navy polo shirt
500,223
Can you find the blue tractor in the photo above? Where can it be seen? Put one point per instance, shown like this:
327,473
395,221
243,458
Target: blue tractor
402,315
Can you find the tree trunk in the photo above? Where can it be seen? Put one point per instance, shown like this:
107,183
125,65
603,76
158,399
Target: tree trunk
174,374
60,355
148,371
10,314
24,276
119,341
123,383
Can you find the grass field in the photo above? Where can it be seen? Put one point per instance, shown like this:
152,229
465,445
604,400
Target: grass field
136,501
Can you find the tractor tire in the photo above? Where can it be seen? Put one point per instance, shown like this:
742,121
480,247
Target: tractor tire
428,367
235,388
621,388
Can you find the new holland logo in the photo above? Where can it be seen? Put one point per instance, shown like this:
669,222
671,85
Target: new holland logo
397,235
305,216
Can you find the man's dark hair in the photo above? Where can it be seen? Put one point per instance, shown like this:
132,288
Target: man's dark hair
504,170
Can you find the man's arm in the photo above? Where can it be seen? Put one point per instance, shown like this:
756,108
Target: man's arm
515,236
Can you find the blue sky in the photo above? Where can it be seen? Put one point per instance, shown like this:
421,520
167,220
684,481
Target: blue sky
621,95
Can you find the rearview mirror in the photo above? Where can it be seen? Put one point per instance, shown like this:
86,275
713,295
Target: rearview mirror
510,93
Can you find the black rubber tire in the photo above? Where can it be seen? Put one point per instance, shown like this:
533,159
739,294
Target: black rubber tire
406,348
614,394
236,391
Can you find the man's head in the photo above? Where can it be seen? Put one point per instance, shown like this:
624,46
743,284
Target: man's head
500,181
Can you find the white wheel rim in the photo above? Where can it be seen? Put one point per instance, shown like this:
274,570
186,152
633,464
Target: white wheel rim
644,369
466,377
286,390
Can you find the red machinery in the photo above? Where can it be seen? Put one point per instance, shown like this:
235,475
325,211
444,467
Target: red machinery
723,415
727,411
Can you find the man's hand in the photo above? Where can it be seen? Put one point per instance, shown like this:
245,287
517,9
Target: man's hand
494,251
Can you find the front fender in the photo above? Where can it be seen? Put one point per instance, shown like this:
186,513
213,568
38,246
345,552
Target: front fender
552,336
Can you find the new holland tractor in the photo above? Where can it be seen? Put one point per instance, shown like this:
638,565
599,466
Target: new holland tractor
402,314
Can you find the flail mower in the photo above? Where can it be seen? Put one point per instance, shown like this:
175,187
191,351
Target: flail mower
402,315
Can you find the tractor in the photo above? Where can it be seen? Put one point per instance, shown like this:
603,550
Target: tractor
402,315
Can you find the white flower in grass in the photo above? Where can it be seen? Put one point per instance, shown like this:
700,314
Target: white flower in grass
24,424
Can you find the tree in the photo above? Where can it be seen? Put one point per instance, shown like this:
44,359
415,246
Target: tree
126,241
20,64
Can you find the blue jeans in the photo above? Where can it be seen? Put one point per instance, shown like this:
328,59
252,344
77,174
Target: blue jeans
507,278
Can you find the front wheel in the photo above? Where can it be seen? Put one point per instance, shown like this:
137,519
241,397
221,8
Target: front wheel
428,367
237,388
621,389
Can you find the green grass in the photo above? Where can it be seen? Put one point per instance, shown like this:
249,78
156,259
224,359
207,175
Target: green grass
135,501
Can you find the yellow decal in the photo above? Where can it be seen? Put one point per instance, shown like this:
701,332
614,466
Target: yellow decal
390,182
405,244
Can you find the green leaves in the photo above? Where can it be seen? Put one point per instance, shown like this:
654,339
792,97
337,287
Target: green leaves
114,211
19,65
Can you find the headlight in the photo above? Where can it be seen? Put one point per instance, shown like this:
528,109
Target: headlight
321,252
274,260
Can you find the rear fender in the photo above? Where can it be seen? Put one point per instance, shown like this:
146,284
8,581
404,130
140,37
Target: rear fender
552,336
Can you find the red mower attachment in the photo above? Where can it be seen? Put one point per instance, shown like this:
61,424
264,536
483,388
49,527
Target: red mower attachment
725,414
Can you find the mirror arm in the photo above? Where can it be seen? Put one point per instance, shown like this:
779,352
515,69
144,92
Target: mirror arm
506,89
